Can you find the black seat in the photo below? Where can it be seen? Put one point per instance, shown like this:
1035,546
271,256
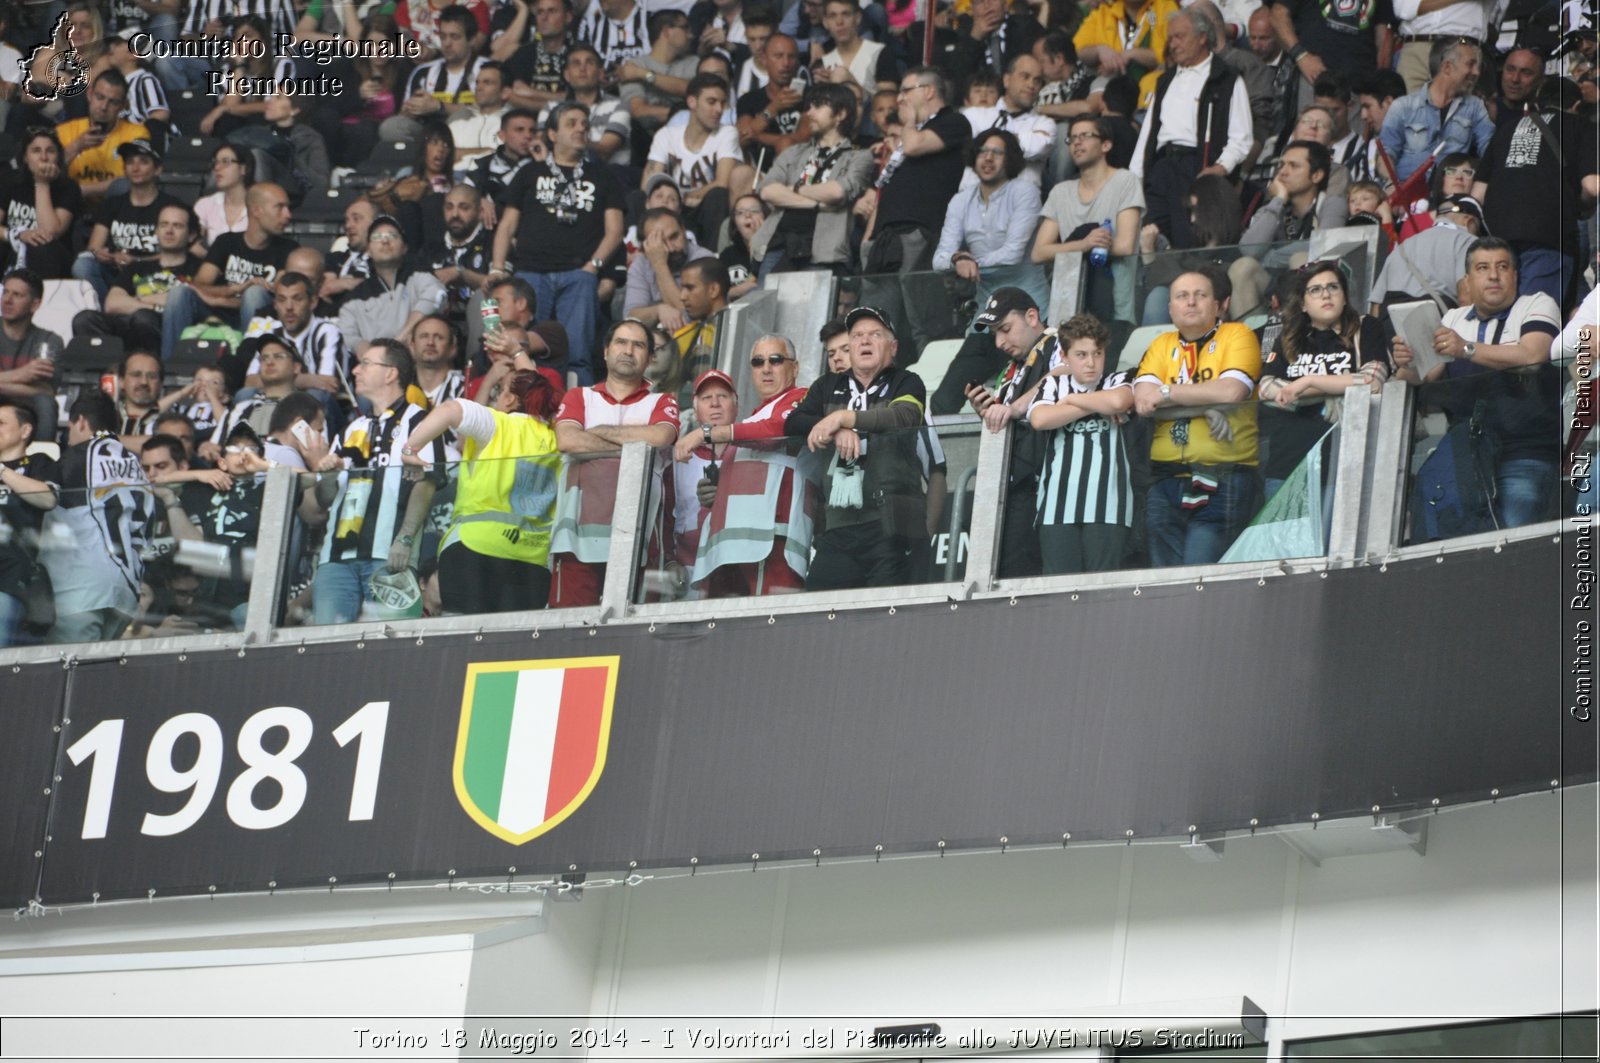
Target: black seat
86,357
190,355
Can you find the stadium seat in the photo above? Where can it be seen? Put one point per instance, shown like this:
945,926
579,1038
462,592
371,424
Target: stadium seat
935,361
328,207
383,163
86,357
189,155
1138,342
48,447
192,354
62,301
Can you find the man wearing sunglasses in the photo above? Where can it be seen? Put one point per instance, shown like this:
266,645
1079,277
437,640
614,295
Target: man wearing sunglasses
747,549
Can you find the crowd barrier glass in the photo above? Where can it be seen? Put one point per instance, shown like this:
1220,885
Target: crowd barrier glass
130,560
1487,453
1136,494
778,517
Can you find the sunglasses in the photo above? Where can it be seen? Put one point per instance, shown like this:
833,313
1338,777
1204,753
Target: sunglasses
776,359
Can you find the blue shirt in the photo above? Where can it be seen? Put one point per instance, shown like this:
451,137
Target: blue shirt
1411,131
997,233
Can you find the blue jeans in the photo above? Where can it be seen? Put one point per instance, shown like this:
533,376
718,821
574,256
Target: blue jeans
88,268
1523,489
1544,269
185,308
1180,536
339,589
570,297
12,610
183,72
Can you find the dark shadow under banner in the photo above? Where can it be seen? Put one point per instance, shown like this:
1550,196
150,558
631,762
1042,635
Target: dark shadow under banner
1115,712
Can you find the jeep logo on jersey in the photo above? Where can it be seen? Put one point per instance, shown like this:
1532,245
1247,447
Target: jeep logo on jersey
532,741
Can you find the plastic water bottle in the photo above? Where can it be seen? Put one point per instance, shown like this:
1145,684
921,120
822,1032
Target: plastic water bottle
1099,256
491,316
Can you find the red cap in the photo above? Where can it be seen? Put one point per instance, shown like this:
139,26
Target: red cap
716,375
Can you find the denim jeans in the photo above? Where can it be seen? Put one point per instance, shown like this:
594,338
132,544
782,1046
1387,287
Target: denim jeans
570,298
1544,269
185,308
339,589
88,268
1198,537
184,72
1523,488
12,610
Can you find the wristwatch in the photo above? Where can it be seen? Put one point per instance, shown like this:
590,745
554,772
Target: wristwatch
650,77
409,452
705,430
1166,391
1469,350
406,540
598,263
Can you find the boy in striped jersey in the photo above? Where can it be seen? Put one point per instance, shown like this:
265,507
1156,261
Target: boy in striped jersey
1085,489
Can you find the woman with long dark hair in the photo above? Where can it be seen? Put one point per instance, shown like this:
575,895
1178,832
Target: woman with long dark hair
1216,220
1326,346
39,203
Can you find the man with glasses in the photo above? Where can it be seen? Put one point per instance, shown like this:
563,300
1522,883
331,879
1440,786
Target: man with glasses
390,302
1015,113
1074,215
917,183
375,512
758,539
1443,116
595,422
876,485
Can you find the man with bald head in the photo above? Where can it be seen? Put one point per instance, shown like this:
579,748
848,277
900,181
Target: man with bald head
350,267
238,272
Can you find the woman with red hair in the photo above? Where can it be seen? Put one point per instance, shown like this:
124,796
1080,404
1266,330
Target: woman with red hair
495,557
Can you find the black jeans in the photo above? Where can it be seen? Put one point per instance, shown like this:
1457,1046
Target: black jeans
860,555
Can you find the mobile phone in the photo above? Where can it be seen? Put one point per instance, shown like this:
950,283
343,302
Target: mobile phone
301,431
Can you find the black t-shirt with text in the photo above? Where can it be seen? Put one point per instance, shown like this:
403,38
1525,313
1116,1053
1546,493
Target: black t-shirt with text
539,64
239,262
133,228
563,214
1342,33
756,100
18,196
1290,434
923,185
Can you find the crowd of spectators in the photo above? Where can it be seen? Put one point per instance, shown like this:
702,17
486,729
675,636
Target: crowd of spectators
546,207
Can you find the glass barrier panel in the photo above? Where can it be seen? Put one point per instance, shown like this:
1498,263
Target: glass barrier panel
1252,272
777,517
1486,452
1095,491
27,603
200,555
1554,1038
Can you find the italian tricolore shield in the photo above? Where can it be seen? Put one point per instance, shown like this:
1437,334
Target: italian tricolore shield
532,741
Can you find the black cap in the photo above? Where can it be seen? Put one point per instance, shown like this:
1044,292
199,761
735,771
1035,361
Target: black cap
1463,205
139,147
1001,303
385,219
861,313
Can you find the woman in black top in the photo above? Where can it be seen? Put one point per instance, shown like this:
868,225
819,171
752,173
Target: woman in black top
1324,348
40,203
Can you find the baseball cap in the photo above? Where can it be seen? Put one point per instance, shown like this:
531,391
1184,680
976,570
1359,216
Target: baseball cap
1463,204
385,219
714,376
1001,303
656,182
139,147
862,313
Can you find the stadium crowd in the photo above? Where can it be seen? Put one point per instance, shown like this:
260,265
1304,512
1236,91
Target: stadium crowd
450,294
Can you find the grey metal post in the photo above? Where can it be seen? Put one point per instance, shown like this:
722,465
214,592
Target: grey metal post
1344,541
272,540
1391,469
627,537
988,505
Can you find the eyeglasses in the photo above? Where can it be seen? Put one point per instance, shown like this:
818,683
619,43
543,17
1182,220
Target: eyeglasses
992,151
912,88
1460,171
375,363
383,238
774,360
747,212
1082,138
1317,291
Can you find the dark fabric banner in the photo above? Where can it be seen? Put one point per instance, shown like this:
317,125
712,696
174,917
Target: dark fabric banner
31,702
1148,712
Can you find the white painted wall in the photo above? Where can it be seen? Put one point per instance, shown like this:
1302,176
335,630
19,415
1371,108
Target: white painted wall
1497,919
